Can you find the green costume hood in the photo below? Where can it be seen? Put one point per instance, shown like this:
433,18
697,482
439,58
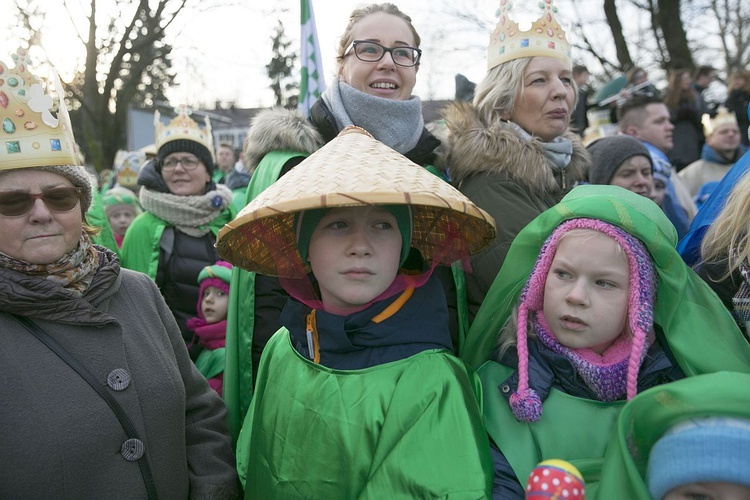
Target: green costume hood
650,414
698,329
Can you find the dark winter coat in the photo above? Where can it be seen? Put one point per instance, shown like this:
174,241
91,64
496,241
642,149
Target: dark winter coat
61,440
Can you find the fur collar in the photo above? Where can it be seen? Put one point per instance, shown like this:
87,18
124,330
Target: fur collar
475,147
278,129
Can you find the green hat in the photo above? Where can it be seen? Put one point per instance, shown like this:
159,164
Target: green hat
306,222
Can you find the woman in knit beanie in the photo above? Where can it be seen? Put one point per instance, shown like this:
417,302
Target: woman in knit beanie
210,326
621,160
173,240
593,306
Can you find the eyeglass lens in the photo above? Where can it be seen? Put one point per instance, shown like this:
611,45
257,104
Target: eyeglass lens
372,52
16,203
187,163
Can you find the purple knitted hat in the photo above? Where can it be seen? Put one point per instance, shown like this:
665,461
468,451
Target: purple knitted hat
525,402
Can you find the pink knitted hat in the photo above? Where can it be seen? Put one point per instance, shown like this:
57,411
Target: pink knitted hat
525,402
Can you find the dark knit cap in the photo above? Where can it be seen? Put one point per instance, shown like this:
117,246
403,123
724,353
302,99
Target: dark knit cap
608,153
185,146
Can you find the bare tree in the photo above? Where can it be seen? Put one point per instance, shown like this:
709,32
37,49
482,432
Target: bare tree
126,63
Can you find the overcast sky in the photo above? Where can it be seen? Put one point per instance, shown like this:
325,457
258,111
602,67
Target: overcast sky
220,53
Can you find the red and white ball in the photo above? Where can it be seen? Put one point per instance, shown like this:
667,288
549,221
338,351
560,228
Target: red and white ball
555,479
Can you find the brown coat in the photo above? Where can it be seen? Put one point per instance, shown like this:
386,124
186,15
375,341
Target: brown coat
59,438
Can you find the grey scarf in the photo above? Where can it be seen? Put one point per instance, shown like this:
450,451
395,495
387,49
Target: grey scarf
189,214
559,151
397,124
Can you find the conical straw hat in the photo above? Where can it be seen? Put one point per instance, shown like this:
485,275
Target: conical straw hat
353,170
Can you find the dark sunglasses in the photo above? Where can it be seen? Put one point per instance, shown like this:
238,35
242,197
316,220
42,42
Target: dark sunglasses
17,203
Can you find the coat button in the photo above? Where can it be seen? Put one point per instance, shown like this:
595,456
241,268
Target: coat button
132,449
118,379
505,388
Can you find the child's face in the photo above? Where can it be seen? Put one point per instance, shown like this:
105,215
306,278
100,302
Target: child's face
709,491
214,304
586,294
120,218
354,253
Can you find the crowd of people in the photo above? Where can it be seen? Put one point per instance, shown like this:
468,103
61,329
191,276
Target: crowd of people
371,309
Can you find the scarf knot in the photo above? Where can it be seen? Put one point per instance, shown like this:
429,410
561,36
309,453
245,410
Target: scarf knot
559,150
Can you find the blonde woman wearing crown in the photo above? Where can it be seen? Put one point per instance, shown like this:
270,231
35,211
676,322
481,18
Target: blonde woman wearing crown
183,210
378,58
99,396
511,152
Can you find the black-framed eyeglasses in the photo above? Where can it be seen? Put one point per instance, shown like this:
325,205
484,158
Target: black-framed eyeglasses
187,163
18,203
374,52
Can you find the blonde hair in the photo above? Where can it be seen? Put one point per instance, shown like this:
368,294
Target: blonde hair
495,96
358,14
729,235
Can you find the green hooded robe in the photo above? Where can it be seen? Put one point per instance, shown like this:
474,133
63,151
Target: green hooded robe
650,414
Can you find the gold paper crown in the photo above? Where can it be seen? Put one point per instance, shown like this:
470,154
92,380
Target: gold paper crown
31,135
183,127
545,38
723,115
127,164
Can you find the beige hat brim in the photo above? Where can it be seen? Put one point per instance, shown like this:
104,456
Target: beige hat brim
353,170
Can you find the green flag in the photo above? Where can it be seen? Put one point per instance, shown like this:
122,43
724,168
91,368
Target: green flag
312,83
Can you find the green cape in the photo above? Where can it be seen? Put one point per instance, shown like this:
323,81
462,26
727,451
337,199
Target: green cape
645,419
699,330
238,369
140,248
407,429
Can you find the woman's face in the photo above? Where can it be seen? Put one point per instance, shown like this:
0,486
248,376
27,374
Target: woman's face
383,78
685,80
738,82
184,180
41,236
546,101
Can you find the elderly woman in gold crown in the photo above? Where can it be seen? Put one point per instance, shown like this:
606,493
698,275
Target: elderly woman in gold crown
511,152
99,396
173,239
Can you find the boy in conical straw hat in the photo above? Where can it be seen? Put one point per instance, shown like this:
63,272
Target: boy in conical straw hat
359,395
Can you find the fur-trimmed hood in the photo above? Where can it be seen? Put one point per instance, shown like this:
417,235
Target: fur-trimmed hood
278,129
475,147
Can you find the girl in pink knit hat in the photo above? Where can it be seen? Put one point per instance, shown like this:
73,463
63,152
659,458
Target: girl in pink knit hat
584,326
210,326
593,305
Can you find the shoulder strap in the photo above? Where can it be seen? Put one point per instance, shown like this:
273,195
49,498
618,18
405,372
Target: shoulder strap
127,425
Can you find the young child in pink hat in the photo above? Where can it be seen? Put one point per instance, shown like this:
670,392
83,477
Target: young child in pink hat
210,326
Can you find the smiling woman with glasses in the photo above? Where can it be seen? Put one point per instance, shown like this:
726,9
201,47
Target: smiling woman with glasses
173,239
101,396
